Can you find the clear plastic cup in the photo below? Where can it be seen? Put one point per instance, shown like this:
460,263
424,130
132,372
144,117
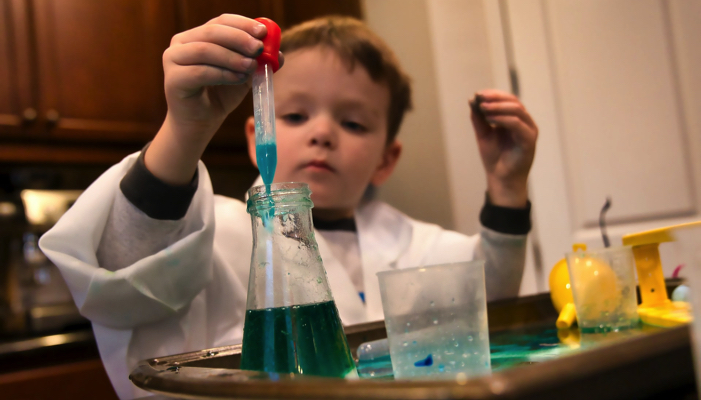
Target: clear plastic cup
436,320
603,285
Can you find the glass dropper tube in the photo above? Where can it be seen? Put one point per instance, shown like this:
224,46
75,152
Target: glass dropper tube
264,117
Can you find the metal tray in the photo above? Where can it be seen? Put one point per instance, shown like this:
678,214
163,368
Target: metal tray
655,364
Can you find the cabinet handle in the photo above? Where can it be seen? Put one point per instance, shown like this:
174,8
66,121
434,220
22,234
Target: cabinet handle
52,116
29,115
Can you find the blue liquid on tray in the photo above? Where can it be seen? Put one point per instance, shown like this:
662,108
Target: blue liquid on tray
266,156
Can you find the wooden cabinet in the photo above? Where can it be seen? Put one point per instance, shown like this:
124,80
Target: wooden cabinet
83,70
100,74
82,80
17,95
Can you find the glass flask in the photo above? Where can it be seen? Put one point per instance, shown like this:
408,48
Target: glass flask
292,323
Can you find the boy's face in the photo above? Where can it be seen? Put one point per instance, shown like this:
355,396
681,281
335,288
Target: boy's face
331,128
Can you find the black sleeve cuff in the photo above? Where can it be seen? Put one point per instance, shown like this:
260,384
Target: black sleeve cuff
154,197
513,221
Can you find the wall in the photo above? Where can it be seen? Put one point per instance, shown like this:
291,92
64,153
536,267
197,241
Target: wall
419,186
443,46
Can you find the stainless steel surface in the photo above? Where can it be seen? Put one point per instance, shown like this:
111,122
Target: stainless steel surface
34,297
46,341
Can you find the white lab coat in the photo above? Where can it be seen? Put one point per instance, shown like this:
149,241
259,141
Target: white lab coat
191,295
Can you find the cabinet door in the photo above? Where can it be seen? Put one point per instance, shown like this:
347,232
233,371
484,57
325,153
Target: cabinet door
17,101
615,88
100,68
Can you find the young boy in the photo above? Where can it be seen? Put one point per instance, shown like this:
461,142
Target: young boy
140,252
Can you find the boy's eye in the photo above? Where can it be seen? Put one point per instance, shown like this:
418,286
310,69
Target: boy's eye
294,118
354,126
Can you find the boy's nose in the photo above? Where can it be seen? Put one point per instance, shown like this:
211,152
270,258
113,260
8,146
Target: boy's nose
323,134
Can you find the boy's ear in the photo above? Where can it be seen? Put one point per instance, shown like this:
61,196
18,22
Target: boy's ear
251,140
389,161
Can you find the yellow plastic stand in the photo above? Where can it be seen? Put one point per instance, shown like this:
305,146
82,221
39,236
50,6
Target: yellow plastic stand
656,308
561,292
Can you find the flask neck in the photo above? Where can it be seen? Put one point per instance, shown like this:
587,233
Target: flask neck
286,267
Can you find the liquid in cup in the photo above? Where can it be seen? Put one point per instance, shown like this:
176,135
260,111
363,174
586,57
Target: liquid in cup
436,320
603,286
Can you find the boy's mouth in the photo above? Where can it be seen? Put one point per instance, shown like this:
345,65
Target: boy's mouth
319,165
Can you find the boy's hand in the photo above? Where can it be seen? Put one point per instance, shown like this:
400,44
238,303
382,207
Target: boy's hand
207,70
506,137
207,74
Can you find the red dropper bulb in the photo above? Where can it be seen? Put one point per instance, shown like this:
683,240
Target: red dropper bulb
271,44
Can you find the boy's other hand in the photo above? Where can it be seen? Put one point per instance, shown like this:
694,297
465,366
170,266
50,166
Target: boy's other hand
207,74
506,137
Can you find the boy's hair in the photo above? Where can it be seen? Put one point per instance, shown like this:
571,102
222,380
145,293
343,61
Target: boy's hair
354,42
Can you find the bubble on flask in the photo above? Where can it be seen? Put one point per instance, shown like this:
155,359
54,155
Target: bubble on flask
432,303
435,322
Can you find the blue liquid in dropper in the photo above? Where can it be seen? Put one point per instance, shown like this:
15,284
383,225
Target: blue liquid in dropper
266,156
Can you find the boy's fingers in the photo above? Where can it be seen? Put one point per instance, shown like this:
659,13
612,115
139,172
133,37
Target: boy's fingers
197,53
523,134
507,108
482,127
193,78
222,35
251,26
496,95
281,59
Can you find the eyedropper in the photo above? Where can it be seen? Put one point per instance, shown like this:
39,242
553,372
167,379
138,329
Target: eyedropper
264,102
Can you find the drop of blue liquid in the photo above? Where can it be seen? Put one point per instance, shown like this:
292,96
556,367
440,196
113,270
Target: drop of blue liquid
426,362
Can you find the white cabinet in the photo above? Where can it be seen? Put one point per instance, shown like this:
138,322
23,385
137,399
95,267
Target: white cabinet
615,86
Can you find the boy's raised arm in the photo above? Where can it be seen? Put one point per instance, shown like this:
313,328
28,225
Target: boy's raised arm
129,243
506,137
207,74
